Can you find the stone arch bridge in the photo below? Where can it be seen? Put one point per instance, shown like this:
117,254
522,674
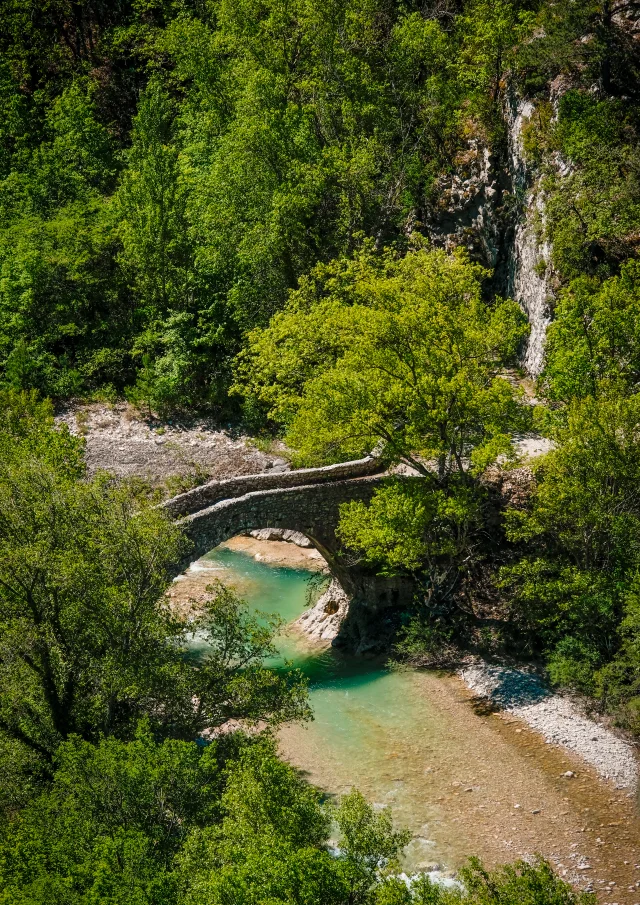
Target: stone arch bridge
305,500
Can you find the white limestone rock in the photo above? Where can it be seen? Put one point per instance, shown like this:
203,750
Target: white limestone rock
322,621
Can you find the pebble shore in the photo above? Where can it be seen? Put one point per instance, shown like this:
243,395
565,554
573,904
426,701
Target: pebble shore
557,718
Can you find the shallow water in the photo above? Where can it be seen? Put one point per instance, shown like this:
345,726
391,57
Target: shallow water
464,780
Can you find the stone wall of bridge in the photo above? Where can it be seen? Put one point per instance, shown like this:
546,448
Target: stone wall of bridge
214,491
312,509
310,504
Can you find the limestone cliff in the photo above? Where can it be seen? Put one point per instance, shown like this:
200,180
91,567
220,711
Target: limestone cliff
493,207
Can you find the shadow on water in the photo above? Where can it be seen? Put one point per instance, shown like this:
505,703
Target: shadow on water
283,591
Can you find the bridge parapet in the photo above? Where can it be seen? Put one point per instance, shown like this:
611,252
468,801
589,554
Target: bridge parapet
192,501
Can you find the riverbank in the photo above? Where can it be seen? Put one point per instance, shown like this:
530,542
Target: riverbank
170,453
464,777
558,719
278,553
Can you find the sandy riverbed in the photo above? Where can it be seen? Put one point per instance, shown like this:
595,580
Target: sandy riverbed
489,786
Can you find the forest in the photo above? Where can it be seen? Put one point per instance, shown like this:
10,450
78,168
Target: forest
259,210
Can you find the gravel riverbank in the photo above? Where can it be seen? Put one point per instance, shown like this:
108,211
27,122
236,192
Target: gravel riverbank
119,439
556,718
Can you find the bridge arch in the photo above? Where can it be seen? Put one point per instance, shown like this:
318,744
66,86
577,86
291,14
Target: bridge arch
308,501
313,510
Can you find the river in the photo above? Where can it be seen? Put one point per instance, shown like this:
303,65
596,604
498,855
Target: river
464,780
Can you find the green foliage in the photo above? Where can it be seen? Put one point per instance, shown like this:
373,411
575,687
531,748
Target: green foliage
175,823
230,680
87,644
584,43
592,343
521,882
109,826
576,556
491,32
174,170
369,846
151,207
272,843
84,641
411,525
402,355
269,846
573,664
399,351
27,432
592,207
59,284
581,531
618,682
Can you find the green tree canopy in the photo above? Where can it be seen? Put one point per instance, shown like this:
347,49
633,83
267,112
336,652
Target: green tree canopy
592,344
172,171
111,823
581,530
402,352
88,643
272,843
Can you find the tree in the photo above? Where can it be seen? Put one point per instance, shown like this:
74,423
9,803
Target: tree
580,530
84,639
592,343
151,202
62,311
369,846
520,882
617,684
272,843
230,681
435,534
402,352
402,355
414,526
109,826
491,32
88,643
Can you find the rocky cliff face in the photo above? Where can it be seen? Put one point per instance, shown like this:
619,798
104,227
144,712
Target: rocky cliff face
529,267
494,207
467,212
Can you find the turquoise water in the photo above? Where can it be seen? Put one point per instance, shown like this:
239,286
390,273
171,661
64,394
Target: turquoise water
462,781
372,726
285,592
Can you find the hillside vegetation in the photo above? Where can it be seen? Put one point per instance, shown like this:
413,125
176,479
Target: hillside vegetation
259,209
